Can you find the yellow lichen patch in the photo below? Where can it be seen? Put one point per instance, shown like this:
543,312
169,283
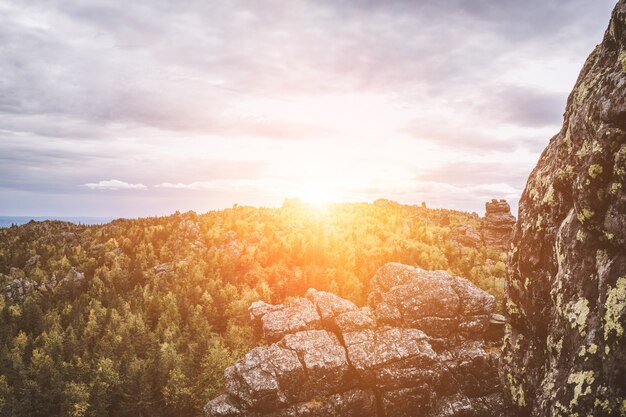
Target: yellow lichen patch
517,391
548,198
584,350
615,187
560,407
609,235
568,139
615,305
582,92
534,194
584,150
580,379
580,235
538,226
601,404
576,313
622,60
584,215
595,170
596,147
512,308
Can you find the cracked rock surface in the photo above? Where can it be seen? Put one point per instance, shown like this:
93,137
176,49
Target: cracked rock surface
565,349
419,349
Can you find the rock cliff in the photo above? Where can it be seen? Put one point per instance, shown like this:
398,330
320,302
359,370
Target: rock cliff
421,348
497,225
565,349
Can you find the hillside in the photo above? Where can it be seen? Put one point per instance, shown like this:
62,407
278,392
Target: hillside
141,317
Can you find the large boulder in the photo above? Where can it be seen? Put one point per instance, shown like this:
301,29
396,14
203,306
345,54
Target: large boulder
418,349
565,351
434,301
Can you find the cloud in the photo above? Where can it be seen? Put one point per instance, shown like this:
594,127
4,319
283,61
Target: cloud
167,94
248,185
478,173
107,69
114,185
196,185
524,106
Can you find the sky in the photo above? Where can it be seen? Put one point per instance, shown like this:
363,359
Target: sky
145,107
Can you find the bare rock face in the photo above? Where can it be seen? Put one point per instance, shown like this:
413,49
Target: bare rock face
498,224
565,349
418,349
465,235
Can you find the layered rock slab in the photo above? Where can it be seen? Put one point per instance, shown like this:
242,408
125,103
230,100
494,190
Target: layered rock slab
418,349
565,351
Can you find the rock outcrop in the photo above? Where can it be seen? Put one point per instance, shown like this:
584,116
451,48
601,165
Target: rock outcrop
497,225
418,349
465,235
18,288
565,350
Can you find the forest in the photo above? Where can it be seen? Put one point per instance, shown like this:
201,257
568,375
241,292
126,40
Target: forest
141,317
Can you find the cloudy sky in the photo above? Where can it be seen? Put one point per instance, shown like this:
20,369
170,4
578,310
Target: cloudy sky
144,107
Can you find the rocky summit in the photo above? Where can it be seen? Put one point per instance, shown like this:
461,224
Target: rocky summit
423,347
565,350
494,230
497,225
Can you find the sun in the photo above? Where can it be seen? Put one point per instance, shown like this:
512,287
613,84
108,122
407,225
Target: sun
317,196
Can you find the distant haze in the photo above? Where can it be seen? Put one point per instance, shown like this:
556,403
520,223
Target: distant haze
8,221
135,108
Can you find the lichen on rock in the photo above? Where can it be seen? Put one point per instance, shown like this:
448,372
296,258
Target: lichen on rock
615,308
565,349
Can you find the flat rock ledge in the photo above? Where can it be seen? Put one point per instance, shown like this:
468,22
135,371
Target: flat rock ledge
423,347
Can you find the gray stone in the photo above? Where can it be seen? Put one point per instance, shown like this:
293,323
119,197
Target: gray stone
327,357
565,350
497,225
298,316
324,360
329,305
266,378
